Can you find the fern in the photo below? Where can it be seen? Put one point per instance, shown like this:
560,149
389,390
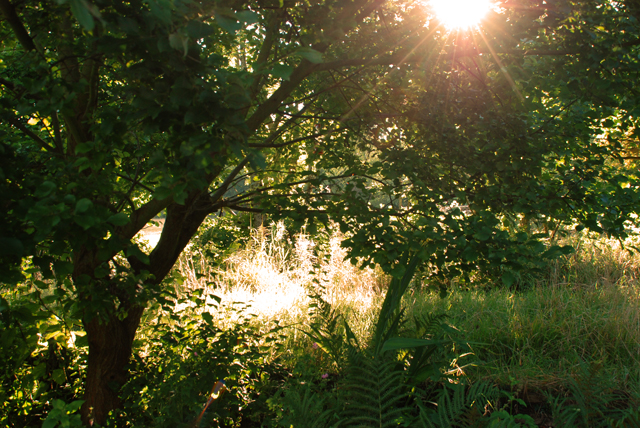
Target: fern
330,330
304,408
457,407
375,394
427,361
592,402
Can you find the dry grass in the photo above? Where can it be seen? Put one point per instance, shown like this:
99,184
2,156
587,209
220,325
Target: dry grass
274,277
587,307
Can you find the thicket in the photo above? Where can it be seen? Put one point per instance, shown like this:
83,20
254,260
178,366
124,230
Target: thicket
301,337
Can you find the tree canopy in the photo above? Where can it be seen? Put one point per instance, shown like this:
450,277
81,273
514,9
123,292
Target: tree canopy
368,113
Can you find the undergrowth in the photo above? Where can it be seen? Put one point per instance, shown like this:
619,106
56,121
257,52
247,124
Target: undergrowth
284,332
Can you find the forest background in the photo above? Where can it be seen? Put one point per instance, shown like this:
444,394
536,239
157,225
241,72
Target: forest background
454,159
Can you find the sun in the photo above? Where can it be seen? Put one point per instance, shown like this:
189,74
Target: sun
460,14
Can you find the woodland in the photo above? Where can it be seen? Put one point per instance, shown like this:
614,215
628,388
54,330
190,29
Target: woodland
457,207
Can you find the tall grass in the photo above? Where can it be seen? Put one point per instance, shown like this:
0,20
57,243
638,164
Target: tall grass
274,274
586,307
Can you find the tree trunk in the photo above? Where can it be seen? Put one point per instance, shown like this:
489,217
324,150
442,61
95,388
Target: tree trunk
110,341
109,353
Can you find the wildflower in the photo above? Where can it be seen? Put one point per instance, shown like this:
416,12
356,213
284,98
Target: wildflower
326,375
315,346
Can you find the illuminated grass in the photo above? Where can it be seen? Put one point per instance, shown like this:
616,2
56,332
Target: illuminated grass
586,309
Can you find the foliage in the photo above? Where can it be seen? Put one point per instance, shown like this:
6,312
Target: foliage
456,406
305,408
42,350
184,354
63,415
416,140
593,401
375,393
330,331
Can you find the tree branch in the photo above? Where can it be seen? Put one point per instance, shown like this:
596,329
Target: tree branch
295,140
43,144
273,28
140,217
219,193
16,25
272,104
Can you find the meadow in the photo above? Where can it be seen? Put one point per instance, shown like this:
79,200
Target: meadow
571,333
279,329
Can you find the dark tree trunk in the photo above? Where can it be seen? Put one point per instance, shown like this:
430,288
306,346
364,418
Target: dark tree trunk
110,342
109,352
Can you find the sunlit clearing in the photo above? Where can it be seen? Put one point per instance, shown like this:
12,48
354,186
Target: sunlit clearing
460,14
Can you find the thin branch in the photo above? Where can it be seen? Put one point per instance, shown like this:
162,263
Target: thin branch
283,128
541,128
295,183
273,28
287,143
273,103
43,144
17,90
311,116
395,58
16,25
55,122
135,183
219,193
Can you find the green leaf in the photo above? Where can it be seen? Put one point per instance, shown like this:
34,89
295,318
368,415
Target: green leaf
281,71
161,9
257,160
83,205
408,343
470,254
59,377
51,421
85,221
248,16
207,317
74,406
231,25
134,251
83,148
179,42
310,55
198,30
45,188
81,9
119,219
41,285
482,235
162,192
508,278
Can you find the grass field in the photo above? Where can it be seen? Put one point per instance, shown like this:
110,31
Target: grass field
582,315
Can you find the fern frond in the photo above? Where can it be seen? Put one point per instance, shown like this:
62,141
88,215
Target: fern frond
375,394
592,401
304,409
455,406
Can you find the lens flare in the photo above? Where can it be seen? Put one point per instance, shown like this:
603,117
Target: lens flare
460,14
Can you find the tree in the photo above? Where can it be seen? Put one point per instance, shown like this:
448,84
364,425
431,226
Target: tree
114,112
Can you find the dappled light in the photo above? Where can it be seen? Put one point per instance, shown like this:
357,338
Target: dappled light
283,213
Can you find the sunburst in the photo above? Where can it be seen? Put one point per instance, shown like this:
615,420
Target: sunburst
460,14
